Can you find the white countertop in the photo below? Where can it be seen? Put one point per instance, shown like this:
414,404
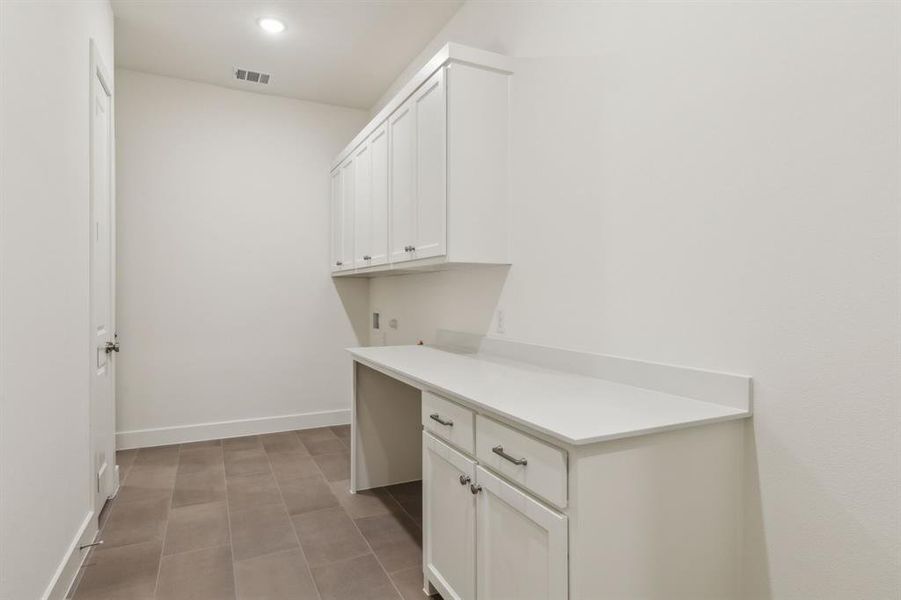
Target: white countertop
574,409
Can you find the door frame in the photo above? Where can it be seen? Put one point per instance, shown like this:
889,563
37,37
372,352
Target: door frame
100,71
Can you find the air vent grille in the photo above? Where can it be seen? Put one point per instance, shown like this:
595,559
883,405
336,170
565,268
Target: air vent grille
251,76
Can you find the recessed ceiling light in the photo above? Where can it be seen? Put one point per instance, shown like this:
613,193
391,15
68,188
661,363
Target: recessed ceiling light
270,25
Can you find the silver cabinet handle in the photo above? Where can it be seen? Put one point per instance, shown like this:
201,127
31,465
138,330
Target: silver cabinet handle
464,479
475,488
437,417
499,450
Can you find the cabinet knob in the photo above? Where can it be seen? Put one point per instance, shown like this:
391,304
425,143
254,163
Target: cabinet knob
474,488
338,263
464,479
367,257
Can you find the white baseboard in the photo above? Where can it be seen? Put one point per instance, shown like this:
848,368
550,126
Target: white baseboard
143,438
68,569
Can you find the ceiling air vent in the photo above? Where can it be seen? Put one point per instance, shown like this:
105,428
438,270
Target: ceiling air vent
251,76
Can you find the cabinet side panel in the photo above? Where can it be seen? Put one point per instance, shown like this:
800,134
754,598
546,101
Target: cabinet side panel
478,157
658,517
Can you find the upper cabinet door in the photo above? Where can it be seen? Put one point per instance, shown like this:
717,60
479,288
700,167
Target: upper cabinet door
402,170
362,205
347,215
378,196
521,544
336,219
431,162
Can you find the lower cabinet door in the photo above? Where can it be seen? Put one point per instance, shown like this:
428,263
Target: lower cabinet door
521,544
449,519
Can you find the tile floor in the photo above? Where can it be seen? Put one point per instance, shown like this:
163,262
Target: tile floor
262,517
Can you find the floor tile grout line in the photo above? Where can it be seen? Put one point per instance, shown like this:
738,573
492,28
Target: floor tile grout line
366,541
159,562
281,495
228,519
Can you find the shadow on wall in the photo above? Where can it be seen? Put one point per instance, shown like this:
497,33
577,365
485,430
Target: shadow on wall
354,294
422,303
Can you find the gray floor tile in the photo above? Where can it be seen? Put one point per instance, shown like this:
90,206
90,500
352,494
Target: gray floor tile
199,488
365,503
251,491
279,576
136,522
195,527
281,442
204,458
335,467
262,530
409,583
409,496
158,456
200,575
146,482
124,572
291,465
246,462
360,577
327,446
248,442
395,538
316,434
328,536
307,494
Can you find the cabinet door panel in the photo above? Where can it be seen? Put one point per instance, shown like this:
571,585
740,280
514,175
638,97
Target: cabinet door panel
402,126
362,205
336,220
347,215
378,240
431,167
521,544
449,509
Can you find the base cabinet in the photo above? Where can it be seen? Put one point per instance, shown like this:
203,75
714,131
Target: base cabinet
484,538
449,514
521,549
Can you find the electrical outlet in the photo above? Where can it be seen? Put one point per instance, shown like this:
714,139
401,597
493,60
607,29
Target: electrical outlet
500,322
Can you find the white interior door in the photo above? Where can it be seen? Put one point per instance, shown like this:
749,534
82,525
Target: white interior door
521,544
104,343
449,513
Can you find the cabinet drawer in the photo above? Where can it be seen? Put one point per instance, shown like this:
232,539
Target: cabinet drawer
535,465
448,421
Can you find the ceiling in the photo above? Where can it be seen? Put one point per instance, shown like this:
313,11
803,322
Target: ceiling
343,52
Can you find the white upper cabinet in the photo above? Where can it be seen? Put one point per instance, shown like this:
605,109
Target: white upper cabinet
345,259
431,164
362,205
337,219
378,197
429,184
402,203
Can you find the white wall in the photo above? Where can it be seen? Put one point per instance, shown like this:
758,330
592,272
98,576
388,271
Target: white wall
44,234
226,307
714,185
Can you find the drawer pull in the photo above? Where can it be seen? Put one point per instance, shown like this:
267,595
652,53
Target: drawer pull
499,450
437,417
